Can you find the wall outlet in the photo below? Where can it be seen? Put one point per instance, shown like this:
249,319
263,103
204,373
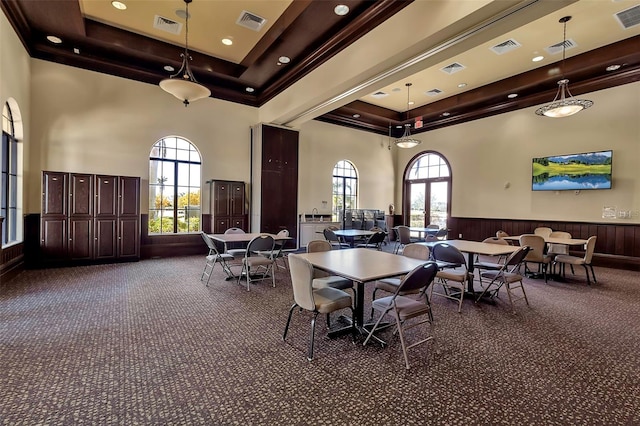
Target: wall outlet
459,235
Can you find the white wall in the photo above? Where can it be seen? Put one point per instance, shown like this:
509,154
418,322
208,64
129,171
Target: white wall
487,154
85,121
323,145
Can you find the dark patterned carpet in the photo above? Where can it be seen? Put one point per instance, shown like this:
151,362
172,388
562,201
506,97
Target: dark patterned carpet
148,344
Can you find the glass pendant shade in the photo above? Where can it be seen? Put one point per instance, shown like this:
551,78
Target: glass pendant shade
563,106
406,141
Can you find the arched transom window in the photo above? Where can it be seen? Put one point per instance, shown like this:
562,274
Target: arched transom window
174,187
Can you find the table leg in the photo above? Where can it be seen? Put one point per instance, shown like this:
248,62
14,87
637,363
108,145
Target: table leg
470,268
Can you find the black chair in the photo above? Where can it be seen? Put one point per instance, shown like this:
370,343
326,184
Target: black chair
374,241
507,275
405,308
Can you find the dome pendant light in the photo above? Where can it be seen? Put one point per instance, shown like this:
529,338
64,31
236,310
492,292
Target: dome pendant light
564,104
183,84
406,141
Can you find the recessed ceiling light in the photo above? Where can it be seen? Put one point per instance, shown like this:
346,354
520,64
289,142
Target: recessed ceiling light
341,9
284,59
613,67
76,50
396,89
169,68
227,41
250,89
54,39
356,115
512,95
410,103
461,85
537,58
118,5
446,114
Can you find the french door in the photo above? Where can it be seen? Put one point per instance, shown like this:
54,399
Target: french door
428,202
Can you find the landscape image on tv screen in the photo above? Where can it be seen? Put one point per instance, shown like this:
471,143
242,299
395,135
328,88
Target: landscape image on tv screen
589,170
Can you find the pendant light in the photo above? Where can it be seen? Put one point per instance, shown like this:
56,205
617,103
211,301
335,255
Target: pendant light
183,84
564,104
406,141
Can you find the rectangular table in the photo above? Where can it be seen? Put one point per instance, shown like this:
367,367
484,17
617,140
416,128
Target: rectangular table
349,235
552,240
476,247
361,265
242,238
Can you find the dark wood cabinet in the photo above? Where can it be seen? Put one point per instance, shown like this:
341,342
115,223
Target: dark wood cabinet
89,217
227,205
278,172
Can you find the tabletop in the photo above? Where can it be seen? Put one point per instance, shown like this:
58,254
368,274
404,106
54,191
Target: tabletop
243,238
478,247
362,264
553,240
353,233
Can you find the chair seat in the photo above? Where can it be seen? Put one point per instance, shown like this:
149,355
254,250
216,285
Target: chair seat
405,306
459,275
573,260
390,285
333,281
236,252
329,299
507,277
488,265
223,256
258,261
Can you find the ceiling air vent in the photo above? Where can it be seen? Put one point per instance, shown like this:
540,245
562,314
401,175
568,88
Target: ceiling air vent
379,95
433,92
452,68
505,46
251,21
166,24
630,17
557,48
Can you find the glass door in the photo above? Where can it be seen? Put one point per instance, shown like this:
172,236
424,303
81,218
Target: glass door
428,203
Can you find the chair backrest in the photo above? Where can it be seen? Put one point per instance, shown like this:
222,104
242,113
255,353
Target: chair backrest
536,243
301,271
377,238
330,235
210,244
591,245
516,258
376,229
433,226
560,234
442,234
543,231
279,244
420,277
445,252
404,234
234,231
260,243
416,251
318,246
501,234
495,240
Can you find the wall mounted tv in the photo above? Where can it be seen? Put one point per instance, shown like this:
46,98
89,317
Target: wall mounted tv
589,170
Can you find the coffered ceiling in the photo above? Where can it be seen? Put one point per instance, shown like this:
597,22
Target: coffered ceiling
454,79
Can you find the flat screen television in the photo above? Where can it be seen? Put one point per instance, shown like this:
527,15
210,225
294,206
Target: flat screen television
588,170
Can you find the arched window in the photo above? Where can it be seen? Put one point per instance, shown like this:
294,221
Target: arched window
345,189
174,187
11,169
427,191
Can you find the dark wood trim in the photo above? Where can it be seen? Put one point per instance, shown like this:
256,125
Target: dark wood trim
617,246
153,246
